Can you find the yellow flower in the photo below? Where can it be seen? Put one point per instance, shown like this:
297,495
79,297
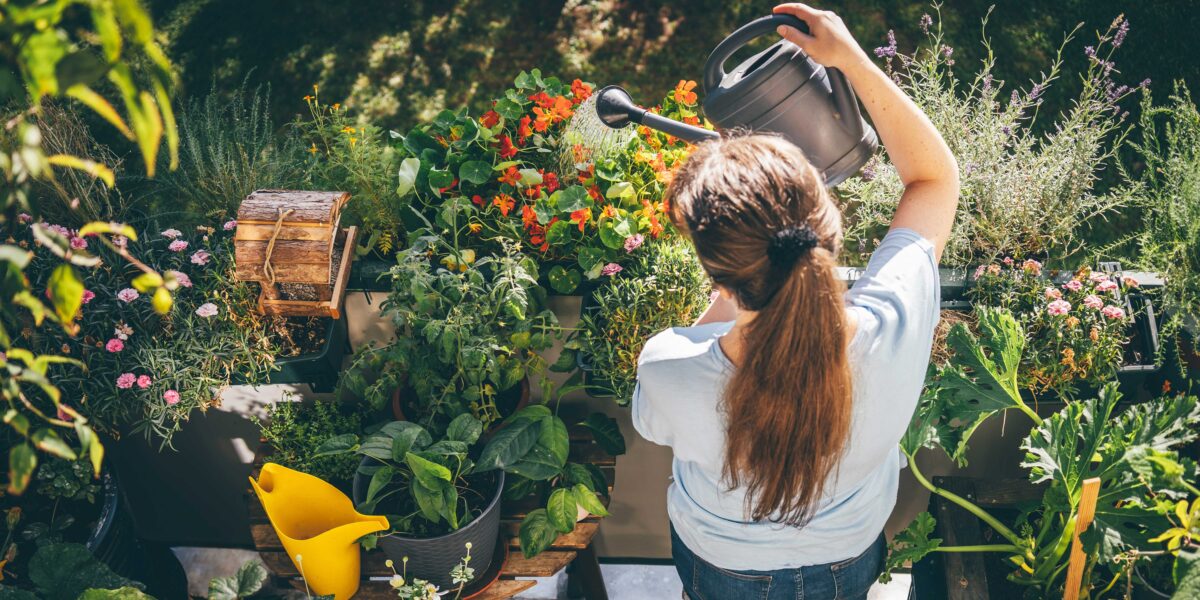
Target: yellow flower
475,227
314,88
353,141
313,149
347,129
337,106
308,98
1188,517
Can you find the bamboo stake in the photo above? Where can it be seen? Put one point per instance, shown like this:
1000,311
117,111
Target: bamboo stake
1087,512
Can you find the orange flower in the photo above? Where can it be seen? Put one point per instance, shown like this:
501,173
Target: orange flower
489,119
511,176
561,109
475,227
523,129
609,212
550,180
504,202
684,93
545,118
651,213
542,99
477,200
507,149
692,121
594,192
580,91
581,217
528,216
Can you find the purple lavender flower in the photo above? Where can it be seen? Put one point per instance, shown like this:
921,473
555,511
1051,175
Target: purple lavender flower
1119,37
1014,97
1089,51
889,50
987,83
1036,91
1006,130
1145,83
926,22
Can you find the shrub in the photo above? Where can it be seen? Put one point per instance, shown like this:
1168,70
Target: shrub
665,287
295,430
1022,194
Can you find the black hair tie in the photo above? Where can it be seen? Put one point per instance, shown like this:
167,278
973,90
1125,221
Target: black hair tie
789,244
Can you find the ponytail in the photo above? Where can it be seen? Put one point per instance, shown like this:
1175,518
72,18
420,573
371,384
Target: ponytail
767,232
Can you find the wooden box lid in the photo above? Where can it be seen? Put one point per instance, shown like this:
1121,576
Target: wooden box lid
304,239
317,208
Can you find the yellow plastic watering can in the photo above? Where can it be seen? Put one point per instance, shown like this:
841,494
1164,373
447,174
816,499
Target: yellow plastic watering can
318,526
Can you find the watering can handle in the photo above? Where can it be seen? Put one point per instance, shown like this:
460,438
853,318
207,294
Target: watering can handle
714,69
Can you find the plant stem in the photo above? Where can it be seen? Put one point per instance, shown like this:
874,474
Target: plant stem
980,548
965,504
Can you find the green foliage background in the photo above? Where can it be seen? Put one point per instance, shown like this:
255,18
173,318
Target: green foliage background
397,63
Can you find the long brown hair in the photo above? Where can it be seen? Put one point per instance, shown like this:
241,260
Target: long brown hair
767,231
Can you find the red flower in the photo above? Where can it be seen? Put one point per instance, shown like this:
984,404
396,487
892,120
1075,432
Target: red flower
683,92
507,150
504,202
477,200
581,217
580,91
511,176
650,212
551,181
451,186
489,119
542,99
594,192
523,129
528,216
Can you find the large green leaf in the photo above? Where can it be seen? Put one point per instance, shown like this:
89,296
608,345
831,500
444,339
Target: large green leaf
65,571
561,510
248,580
911,545
510,444
428,473
587,498
464,428
124,593
536,533
554,438
66,292
606,433
538,464
21,462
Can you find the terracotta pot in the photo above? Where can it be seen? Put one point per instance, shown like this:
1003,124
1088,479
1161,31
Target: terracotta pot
509,401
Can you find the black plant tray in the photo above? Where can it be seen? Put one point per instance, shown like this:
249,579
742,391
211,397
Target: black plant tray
320,370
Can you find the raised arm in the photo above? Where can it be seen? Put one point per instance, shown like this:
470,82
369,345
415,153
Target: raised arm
920,155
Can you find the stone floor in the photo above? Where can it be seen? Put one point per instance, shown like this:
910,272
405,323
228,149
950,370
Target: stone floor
624,581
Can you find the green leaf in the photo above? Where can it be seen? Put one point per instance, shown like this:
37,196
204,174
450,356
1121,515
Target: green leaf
563,280
567,361
510,444
432,502
575,473
573,198
21,462
464,428
538,464
146,282
560,510
123,593
430,474
161,301
536,533
606,433
338,444
47,441
439,179
530,177
554,438
621,190
587,498
379,481
509,110
912,544
66,292
65,571
407,176
476,172
248,580
16,255
1187,573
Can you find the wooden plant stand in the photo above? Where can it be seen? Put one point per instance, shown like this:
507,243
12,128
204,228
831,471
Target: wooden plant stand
573,550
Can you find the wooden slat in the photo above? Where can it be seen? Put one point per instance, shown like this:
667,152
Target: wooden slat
314,273
965,572
349,249
307,206
311,232
545,564
1078,560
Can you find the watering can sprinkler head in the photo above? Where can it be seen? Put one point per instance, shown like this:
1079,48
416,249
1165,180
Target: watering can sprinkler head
616,109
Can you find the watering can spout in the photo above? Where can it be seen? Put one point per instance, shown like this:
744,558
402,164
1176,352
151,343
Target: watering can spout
616,109
318,526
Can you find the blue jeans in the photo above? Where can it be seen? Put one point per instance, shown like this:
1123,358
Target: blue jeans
846,580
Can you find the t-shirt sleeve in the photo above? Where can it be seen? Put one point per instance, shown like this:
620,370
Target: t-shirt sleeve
899,294
649,426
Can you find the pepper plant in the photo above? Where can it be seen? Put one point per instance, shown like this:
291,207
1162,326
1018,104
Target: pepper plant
1134,453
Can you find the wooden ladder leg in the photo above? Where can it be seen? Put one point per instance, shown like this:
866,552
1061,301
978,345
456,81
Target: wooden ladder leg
584,579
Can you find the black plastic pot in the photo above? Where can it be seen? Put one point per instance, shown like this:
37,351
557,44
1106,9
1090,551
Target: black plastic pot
320,370
367,274
433,558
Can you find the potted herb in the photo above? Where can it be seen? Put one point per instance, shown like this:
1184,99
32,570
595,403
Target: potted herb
294,430
468,333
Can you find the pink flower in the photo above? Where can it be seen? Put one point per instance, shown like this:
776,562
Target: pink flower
127,295
126,380
200,257
1073,285
1032,267
25,218
144,381
172,233
182,278
1107,285
1058,307
121,241
114,345
979,271
78,243
1093,301
1008,261
1053,293
88,295
634,242
178,246
611,269
59,229
1097,277
1113,312
1131,282
208,309
171,396
230,225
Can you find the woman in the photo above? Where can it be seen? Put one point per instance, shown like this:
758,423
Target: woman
785,403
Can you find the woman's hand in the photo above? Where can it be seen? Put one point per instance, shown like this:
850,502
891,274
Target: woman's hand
828,41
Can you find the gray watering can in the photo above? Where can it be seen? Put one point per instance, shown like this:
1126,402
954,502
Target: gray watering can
778,90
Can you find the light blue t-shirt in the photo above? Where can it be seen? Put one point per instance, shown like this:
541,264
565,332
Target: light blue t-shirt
682,373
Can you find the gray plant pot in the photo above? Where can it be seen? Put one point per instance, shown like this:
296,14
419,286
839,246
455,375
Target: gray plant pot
433,558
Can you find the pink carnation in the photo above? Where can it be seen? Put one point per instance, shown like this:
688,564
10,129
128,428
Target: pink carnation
1107,285
126,381
114,345
1073,285
182,278
1093,301
1032,267
178,246
1008,261
1113,312
172,233
979,271
208,309
25,218
1097,277
171,396
1053,293
200,257
230,225
128,295
121,241
611,269
88,296
1058,307
144,381
634,242
78,243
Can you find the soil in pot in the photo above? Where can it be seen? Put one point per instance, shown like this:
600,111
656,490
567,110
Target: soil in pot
297,336
433,550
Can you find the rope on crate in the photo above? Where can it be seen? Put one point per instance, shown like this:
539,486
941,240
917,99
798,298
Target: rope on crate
268,270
